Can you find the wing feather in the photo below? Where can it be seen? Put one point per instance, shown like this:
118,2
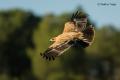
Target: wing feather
53,52
80,20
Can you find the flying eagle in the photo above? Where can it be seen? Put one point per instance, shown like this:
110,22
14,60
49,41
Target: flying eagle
76,33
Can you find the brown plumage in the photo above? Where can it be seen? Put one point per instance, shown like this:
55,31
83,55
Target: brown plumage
69,27
75,33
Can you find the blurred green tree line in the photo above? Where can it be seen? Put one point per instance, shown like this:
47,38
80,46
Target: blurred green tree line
23,35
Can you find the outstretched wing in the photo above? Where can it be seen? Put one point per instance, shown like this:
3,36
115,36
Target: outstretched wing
80,20
53,52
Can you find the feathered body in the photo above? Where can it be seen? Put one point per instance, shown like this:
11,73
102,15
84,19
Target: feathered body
75,33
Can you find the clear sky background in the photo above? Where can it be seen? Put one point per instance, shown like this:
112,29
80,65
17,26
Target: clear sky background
99,13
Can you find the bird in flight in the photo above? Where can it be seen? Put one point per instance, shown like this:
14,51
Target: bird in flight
76,33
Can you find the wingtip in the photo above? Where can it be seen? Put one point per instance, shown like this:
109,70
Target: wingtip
47,57
74,15
78,14
41,54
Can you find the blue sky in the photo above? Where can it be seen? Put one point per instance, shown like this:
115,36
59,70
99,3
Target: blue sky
99,13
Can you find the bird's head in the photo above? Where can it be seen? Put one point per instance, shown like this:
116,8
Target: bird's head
53,39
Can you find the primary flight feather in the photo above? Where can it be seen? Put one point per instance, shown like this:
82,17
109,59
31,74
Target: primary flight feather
75,33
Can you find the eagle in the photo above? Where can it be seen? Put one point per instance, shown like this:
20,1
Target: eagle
76,33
